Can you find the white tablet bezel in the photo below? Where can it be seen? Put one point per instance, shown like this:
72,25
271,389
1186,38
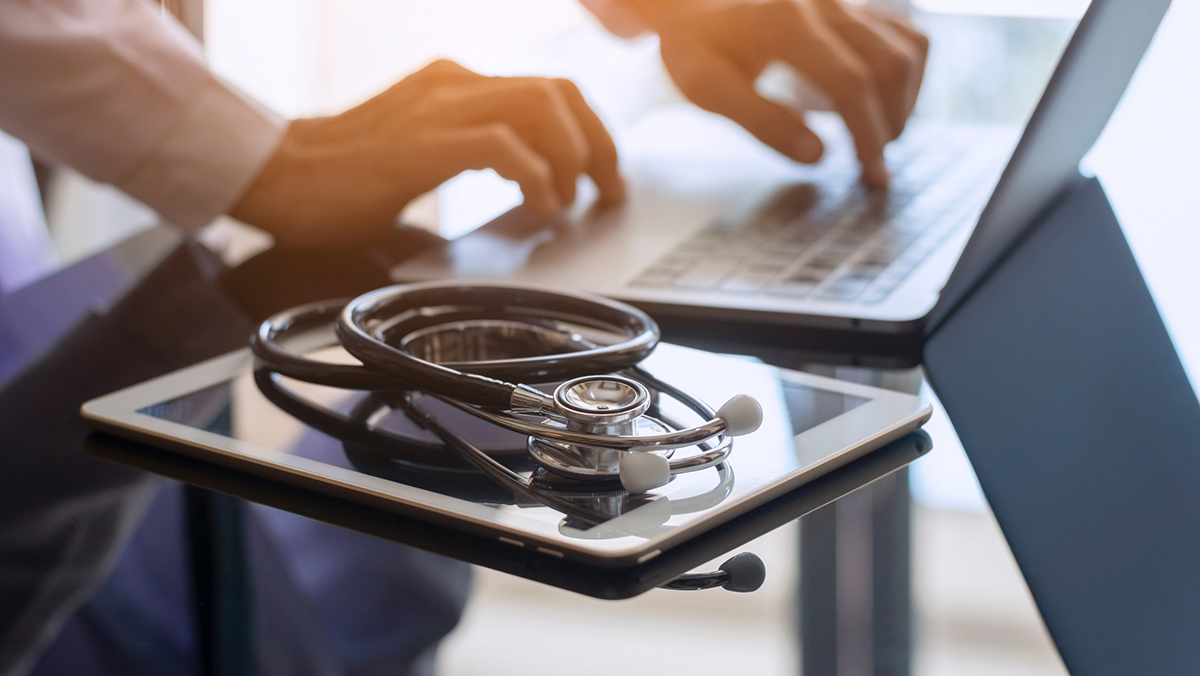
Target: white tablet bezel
884,417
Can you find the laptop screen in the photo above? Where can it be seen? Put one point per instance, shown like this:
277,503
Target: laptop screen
1091,77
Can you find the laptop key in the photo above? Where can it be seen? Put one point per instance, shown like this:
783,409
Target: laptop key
780,258
880,256
851,240
767,270
792,288
699,280
653,278
807,274
725,259
844,289
793,249
804,233
870,269
706,275
895,238
876,295
741,247
698,244
829,258
678,259
745,282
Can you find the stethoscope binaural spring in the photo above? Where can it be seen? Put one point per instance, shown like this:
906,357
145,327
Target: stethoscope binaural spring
463,343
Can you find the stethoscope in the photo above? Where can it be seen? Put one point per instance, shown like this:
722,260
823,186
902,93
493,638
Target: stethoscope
439,338
396,455
455,342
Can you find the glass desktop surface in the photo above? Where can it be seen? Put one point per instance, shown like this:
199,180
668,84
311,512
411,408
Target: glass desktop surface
239,409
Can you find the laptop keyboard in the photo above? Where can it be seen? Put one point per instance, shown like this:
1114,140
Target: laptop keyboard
833,240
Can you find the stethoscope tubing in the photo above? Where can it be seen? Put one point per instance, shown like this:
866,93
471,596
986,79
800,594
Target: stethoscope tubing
359,330
265,343
648,442
521,485
428,455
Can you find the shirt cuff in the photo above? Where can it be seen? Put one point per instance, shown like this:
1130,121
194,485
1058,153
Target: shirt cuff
208,160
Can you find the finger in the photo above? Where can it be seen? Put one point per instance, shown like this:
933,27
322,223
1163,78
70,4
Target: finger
416,85
602,157
443,72
493,146
893,60
920,45
716,84
440,73
838,71
901,25
538,111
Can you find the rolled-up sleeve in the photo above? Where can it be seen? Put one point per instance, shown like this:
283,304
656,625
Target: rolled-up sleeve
120,91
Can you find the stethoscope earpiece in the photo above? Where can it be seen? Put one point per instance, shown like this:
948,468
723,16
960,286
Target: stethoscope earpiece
742,573
746,573
641,472
742,415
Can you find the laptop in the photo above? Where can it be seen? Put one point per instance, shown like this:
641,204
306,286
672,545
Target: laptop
740,248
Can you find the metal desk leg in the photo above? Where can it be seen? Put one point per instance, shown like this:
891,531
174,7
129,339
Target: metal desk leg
855,595
220,582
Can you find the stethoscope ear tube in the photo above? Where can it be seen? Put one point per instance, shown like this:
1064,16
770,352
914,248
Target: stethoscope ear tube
367,327
742,573
364,333
265,343
418,374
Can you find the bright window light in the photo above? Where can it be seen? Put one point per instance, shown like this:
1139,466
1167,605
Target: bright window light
1033,9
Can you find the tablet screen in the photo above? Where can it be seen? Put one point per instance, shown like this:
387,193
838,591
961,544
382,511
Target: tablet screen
808,422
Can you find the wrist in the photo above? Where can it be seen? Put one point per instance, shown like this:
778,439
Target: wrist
661,15
267,202
616,17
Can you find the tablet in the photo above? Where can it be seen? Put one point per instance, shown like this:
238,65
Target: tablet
341,443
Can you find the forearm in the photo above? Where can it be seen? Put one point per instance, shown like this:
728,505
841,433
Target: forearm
121,93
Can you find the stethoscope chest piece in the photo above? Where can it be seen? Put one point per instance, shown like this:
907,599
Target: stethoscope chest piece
608,404
615,406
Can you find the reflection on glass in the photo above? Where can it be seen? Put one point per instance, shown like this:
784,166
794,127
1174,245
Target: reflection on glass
374,434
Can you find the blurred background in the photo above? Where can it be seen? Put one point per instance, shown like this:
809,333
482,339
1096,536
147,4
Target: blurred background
989,61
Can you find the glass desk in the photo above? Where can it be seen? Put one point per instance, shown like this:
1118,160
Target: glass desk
853,586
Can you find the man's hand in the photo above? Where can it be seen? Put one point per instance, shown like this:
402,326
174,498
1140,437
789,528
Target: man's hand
870,65
341,179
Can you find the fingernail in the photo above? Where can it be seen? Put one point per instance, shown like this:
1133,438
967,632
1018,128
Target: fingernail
615,192
875,174
808,148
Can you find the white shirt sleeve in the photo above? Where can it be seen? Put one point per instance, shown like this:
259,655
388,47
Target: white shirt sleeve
119,90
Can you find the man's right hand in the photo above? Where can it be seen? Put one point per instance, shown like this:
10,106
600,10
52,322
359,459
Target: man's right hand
342,179
870,64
